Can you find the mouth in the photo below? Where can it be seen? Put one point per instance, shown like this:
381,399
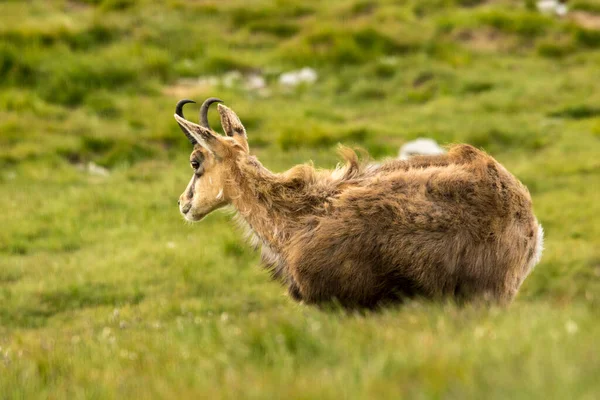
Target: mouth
190,216
193,218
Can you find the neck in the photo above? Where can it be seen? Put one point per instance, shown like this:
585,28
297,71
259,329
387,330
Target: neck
272,204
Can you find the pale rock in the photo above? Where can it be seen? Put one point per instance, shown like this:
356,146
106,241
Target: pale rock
255,82
552,7
305,75
421,146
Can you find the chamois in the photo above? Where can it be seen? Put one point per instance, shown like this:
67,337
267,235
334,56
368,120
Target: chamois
456,226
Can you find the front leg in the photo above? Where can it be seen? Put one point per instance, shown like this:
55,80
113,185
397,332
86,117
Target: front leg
294,290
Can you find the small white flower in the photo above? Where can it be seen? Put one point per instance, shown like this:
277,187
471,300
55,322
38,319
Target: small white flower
571,327
294,78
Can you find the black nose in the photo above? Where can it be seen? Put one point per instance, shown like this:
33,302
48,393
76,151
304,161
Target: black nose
178,202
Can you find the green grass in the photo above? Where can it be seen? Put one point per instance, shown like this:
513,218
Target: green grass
106,293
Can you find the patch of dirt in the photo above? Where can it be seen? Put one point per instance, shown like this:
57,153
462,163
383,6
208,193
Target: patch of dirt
183,87
422,78
77,5
585,19
485,40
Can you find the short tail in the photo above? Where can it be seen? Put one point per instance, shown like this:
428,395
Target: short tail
539,248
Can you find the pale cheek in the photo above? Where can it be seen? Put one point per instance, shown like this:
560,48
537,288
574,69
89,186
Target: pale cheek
204,193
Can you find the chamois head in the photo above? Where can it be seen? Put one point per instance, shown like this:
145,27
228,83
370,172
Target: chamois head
212,159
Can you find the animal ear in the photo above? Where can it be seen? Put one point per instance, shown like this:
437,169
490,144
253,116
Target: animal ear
232,126
203,136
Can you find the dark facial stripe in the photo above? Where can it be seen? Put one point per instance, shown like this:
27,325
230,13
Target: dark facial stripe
191,191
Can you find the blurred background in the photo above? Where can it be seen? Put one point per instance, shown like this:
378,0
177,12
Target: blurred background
105,292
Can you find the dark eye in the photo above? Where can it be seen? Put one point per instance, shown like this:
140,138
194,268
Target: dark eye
194,164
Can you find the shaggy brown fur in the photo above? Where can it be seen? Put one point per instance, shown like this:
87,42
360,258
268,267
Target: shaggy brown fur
455,226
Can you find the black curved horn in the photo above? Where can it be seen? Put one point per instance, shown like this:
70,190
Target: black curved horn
204,110
179,111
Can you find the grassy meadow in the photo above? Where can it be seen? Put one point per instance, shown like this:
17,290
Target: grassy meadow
106,293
